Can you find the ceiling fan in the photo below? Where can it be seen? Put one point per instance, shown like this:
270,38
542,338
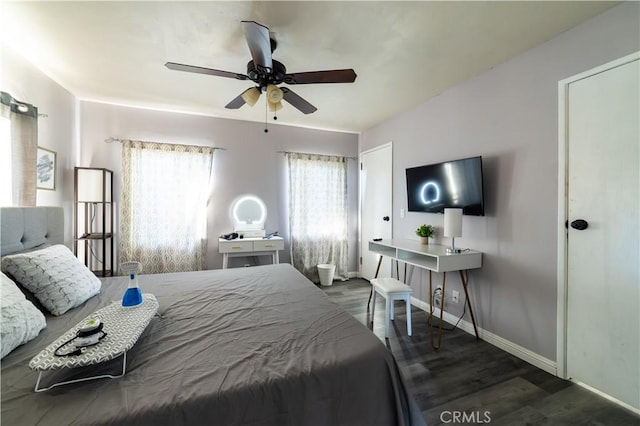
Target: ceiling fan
267,74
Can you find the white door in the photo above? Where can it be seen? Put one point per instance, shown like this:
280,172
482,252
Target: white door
603,260
375,206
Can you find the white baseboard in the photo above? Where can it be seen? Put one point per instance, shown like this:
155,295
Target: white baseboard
516,350
608,397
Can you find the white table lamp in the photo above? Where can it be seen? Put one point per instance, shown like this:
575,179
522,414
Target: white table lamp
453,227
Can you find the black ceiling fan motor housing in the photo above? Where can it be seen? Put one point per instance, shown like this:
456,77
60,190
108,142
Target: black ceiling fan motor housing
263,77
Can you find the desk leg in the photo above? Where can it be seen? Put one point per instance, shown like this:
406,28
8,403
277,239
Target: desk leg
276,257
444,282
376,276
430,301
466,295
225,260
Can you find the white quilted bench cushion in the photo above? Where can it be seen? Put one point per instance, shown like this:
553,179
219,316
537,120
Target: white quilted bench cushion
390,285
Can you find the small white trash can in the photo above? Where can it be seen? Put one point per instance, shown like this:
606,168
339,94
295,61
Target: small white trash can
326,271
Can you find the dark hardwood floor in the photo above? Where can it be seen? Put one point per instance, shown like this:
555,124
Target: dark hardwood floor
474,380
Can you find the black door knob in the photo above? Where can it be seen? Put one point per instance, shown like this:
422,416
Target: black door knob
386,218
580,224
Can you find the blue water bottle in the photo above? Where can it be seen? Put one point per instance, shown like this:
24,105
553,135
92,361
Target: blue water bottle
133,295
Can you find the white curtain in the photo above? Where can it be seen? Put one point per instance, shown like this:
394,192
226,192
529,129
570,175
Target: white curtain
163,211
22,147
318,212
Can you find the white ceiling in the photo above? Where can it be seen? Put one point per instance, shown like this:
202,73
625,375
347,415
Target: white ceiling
403,52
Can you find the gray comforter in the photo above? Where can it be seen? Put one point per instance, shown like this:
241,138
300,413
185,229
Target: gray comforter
248,346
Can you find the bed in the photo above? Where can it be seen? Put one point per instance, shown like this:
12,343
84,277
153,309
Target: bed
244,346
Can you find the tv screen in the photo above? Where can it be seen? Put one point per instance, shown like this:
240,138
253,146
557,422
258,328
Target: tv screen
458,183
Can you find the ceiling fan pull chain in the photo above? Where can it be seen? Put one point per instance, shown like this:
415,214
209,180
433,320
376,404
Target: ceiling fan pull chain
266,111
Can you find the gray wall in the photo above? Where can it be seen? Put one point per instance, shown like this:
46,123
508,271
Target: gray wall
251,162
509,115
55,132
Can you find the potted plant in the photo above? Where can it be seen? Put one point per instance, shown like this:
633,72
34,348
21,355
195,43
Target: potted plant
425,232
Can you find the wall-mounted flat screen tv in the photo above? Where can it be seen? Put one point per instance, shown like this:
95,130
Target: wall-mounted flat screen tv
434,187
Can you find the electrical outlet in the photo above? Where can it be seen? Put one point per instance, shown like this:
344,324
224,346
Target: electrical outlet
456,296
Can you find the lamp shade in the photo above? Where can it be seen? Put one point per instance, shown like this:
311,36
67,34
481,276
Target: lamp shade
94,185
274,93
250,96
453,223
273,107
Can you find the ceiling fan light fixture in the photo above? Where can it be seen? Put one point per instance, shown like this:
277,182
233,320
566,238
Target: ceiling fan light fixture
250,96
267,73
275,106
274,93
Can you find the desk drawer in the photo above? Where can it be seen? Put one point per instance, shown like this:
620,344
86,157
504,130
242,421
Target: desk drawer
266,245
235,246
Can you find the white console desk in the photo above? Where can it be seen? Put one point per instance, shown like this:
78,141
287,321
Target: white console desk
434,258
250,247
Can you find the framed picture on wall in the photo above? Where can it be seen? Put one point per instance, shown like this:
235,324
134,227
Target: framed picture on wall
46,169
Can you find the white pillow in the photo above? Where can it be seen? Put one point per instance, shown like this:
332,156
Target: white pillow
20,321
55,276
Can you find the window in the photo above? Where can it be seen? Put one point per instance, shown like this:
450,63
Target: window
318,212
165,189
18,151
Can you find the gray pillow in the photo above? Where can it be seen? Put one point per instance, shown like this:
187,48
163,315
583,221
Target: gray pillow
20,321
55,276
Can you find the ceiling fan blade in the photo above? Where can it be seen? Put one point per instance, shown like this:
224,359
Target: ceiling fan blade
201,70
330,76
295,100
257,36
238,101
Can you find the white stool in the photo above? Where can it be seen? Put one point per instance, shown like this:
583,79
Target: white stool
392,290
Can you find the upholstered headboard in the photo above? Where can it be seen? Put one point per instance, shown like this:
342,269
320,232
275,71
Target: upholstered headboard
23,228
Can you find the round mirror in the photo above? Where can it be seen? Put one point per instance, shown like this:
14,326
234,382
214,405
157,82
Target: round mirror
248,212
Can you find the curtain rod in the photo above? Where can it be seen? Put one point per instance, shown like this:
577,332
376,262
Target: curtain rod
117,140
20,107
309,153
